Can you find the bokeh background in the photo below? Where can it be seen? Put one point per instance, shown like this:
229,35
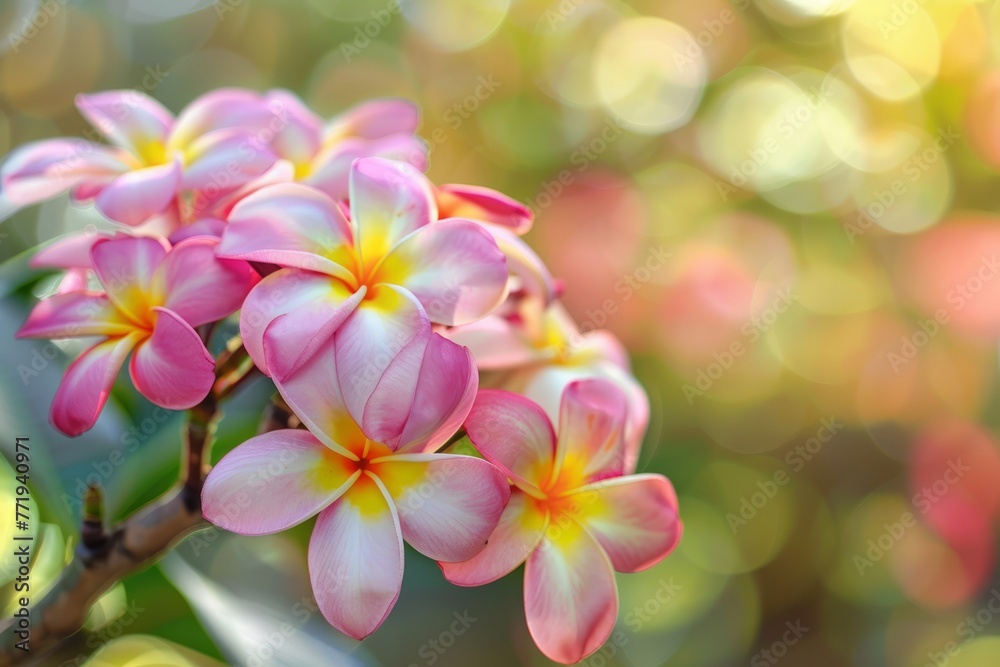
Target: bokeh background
785,208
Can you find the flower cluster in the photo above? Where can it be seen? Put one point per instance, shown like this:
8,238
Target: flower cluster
372,299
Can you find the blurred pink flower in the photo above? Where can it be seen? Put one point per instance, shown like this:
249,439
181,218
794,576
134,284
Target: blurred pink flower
366,467
320,153
152,156
572,518
153,298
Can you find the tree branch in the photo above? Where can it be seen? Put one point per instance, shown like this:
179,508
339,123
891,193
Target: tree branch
62,611
101,560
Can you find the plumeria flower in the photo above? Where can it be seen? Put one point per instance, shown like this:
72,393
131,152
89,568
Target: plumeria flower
540,350
319,153
573,519
370,280
365,467
152,157
506,220
153,298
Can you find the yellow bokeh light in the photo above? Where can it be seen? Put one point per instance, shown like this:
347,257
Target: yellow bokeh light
650,72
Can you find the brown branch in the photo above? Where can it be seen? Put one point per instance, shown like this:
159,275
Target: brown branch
101,560
63,609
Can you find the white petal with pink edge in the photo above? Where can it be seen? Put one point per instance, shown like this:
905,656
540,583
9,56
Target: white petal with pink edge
225,159
495,343
125,266
634,518
371,338
310,299
128,118
513,433
570,595
453,267
37,171
375,119
330,169
448,505
274,481
219,109
517,534
356,559
388,201
293,225
301,130
592,418
313,393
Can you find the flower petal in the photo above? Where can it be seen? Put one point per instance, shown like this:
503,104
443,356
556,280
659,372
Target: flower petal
495,343
292,225
203,227
225,159
37,171
514,433
447,504
299,138
220,109
125,267
423,396
570,596
517,534
634,518
128,118
74,314
274,481
313,302
312,391
356,559
87,384
545,385
69,251
524,264
371,338
453,267
136,196
331,167
388,201
484,205
375,119
197,285
220,204
592,419
172,368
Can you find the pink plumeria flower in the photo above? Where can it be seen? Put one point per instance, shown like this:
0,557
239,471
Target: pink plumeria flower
153,297
366,468
573,518
152,157
542,350
372,279
320,153
506,220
